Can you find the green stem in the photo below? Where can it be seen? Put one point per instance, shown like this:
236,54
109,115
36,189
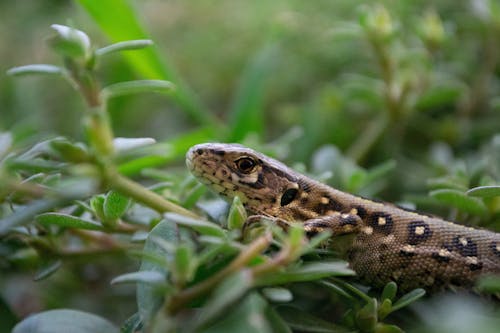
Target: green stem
352,289
360,148
176,302
99,131
141,194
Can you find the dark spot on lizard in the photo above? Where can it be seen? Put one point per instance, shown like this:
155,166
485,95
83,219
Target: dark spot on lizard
383,247
361,212
494,246
331,205
318,224
350,219
476,266
465,246
382,258
305,186
407,252
304,201
381,222
441,257
280,173
418,232
219,152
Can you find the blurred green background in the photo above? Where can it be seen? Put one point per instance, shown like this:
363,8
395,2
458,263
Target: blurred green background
412,84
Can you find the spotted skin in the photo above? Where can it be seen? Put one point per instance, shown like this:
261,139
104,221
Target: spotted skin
389,244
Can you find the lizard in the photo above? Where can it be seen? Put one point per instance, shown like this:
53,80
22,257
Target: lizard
389,243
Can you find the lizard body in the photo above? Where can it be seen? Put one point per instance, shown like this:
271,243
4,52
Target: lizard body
390,243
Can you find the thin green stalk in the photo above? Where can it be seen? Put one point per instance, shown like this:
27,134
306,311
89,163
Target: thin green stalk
368,138
141,194
352,289
176,302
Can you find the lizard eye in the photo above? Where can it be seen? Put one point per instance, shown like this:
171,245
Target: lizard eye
288,196
245,164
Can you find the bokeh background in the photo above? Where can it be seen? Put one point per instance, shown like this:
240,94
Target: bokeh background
410,87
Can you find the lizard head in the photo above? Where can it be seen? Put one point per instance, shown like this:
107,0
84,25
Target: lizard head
264,185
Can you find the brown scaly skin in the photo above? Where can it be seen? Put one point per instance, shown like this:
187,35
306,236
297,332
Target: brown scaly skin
390,243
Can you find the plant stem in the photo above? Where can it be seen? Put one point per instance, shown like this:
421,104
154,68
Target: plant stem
281,259
176,302
141,194
360,148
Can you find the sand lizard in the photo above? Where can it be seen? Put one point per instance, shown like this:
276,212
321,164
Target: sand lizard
390,243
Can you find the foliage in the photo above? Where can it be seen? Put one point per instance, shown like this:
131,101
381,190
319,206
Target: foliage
415,111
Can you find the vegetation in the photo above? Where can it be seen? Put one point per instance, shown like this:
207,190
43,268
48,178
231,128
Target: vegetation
396,100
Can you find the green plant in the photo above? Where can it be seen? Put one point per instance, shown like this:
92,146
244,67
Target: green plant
75,188
66,204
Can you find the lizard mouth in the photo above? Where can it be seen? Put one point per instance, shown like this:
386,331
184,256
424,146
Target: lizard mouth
193,157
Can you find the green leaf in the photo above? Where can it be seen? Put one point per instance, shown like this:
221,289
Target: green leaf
97,205
389,291
35,165
279,295
385,328
148,62
124,144
408,298
295,237
484,191
137,86
460,200
278,325
439,96
124,46
247,112
237,215
307,272
304,322
379,171
62,320
26,214
76,153
5,143
132,324
336,289
184,264
149,299
47,269
203,227
489,284
67,221
447,182
7,316
153,278
115,205
164,152
384,308
247,316
35,69
70,42
366,317
230,291
193,195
